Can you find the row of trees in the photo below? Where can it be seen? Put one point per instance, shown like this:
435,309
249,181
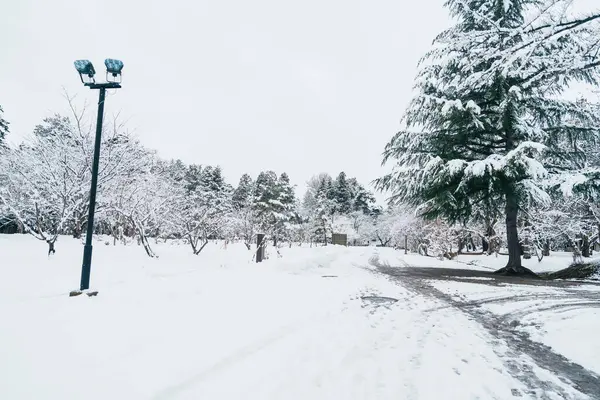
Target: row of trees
44,191
494,135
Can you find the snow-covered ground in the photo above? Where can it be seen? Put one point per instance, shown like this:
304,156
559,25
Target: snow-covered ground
217,326
483,262
565,319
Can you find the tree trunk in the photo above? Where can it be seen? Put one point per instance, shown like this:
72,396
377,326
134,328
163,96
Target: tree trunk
461,246
77,231
197,251
147,247
491,241
512,235
405,244
585,246
513,267
473,246
521,250
143,240
546,251
51,249
193,243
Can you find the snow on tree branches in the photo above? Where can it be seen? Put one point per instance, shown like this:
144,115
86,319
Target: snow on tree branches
491,123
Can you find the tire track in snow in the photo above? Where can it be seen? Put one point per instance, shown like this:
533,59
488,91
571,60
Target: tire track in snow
518,344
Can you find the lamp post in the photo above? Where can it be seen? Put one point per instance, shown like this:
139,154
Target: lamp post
113,81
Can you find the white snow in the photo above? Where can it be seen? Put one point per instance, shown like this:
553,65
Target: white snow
572,332
455,166
570,182
450,105
473,107
218,326
553,316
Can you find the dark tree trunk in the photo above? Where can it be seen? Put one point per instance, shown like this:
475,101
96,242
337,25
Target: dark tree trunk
461,246
143,240
472,243
585,246
485,245
405,244
193,243
491,240
51,249
77,231
147,247
546,251
198,250
513,267
512,236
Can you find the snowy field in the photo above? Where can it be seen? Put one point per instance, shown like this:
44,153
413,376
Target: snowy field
299,326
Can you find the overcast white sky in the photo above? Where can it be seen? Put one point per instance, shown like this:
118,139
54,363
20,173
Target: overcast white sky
302,87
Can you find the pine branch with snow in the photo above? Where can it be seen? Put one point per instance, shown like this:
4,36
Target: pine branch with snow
490,122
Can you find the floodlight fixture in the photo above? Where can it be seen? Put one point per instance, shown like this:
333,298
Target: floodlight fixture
113,69
85,69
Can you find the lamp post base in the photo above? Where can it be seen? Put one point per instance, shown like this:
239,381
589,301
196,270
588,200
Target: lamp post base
75,293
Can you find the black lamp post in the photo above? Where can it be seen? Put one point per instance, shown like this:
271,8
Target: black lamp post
113,81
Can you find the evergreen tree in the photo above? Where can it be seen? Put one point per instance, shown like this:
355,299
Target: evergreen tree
286,192
212,179
57,125
489,124
274,203
3,125
324,209
203,202
245,216
362,199
242,195
193,177
327,199
177,170
214,185
342,194
264,196
285,208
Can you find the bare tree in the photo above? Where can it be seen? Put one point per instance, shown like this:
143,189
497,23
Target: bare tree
46,181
